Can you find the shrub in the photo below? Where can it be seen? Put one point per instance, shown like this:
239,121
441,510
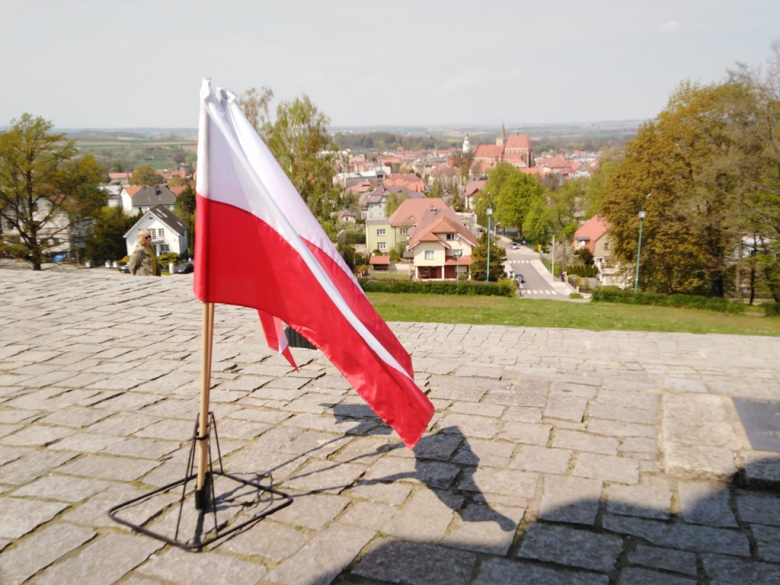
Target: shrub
504,288
168,257
608,294
353,238
582,270
771,309
575,296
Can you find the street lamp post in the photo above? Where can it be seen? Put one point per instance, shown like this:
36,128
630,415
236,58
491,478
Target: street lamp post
642,216
489,214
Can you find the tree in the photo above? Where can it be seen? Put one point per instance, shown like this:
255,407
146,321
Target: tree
106,240
687,236
146,176
42,187
436,191
184,208
300,142
175,181
478,266
511,193
178,158
255,105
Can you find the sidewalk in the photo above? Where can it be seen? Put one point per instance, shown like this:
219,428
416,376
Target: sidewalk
554,457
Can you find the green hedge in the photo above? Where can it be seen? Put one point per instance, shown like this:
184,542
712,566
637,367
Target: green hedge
582,270
771,309
608,294
353,238
504,288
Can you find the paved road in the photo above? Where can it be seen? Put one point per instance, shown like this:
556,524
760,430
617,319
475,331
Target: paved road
520,262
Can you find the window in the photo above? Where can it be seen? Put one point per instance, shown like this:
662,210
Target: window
457,253
380,232
160,234
606,245
429,254
153,233
164,248
450,236
381,245
404,231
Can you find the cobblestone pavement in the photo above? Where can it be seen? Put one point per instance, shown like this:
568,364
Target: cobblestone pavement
555,456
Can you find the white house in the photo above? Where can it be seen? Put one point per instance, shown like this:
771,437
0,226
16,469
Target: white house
137,198
113,194
169,234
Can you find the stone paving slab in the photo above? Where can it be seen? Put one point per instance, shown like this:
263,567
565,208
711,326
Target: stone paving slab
555,456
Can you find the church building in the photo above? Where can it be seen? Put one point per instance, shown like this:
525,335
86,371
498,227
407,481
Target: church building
514,149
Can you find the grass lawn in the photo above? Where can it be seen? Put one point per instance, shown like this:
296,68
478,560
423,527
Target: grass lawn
593,316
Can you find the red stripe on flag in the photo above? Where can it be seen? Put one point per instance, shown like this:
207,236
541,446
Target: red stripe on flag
241,260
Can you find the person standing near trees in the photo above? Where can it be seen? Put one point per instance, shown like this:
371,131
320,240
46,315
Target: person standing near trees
143,262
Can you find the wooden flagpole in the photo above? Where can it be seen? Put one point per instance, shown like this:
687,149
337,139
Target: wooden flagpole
207,336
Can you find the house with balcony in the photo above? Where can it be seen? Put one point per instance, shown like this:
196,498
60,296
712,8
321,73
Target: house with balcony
441,245
169,234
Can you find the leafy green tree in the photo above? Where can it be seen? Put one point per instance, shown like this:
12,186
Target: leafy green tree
478,266
436,191
300,142
687,236
146,176
43,186
511,193
106,240
256,107
184,208
537,224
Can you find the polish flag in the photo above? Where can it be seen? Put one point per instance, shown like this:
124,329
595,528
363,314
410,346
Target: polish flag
257,245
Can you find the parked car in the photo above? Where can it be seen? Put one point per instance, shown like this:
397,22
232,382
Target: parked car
515,246
185,268
124,269
519,278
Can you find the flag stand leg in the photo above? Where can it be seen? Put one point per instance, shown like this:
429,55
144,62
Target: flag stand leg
254,499
203,491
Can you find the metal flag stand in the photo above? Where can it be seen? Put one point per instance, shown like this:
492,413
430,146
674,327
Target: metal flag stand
206,500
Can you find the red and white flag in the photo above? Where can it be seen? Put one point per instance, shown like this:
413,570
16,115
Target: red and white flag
257,245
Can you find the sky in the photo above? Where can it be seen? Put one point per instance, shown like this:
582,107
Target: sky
139,63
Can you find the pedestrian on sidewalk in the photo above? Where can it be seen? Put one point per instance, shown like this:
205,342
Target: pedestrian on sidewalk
143,262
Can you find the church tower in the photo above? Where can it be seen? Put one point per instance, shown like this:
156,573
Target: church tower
501,140
466,145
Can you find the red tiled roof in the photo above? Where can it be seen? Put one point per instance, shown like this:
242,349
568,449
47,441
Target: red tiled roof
379,260
489,151
411,211
518,141
473,187
440,221
133,189
462,261
591,231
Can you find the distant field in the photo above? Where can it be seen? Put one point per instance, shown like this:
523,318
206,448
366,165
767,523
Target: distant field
592,316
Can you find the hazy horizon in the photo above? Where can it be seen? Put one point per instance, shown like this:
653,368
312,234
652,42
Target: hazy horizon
122,65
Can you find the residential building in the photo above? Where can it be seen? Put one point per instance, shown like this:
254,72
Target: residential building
441,245
119,178
113,194
169,234
472,188
346,216
384,234
594,235
137,198
410,181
